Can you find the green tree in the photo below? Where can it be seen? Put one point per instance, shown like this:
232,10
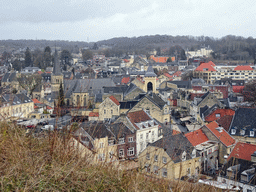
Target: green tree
95,46
47,57
87,54
169,60
61,96
28,60
65,57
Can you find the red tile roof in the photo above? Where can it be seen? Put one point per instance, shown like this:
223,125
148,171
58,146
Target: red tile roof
243,68
238,89
36,101
167,75
126,60
114,100
48,107
196,137
225,121
160,59
94,114
126,80
138,116
39,72
208,66
243,151
174,132
223,136
222,112
177,74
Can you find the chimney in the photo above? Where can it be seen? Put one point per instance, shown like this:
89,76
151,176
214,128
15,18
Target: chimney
253,157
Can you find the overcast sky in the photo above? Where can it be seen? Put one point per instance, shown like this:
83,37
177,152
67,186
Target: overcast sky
78,20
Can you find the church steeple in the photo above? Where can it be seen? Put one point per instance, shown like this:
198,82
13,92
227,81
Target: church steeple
56,67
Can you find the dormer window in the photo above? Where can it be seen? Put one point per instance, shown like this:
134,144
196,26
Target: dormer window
233,131
242,132
184,156
251,133
121,140
194,153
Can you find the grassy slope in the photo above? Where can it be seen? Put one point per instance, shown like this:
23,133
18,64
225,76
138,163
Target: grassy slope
47,164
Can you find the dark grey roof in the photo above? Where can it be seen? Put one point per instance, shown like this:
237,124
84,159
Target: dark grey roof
182,84
16,99
120,130
203,97
210,110
244,118
127,104
119,89
98,98
131,88
91,86
175,145
197,82
96,130
150,72
154,98
9,77
67,74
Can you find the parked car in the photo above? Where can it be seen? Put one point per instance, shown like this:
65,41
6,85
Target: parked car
47,127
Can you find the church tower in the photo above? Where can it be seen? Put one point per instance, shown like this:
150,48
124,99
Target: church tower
150,80
57,76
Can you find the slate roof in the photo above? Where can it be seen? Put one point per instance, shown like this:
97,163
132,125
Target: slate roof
221,134
196,137
203,97
91,86
197,82
150,72
242,151
130,89
97,130
174,146
127,104
9,77
119,130
16,99
225,121
244,118
67,74
56,67
154,98
118,89
182,84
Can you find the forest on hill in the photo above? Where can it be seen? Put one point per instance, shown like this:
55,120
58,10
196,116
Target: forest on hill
226,48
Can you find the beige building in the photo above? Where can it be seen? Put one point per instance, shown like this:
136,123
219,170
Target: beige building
171,157
15,106
109,108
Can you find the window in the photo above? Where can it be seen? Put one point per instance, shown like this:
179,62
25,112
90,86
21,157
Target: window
101,145
111,111
147,167
148,156
101,157
148,111
217,115
242,132
130,151
141,146
156,158
121,153
209,151
141,136
111,154
153,133
130,139
233,131
194,153
104,111
155,169
111,142
164,172
147,135
188,171
164,160
121,140
184,156
251,133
